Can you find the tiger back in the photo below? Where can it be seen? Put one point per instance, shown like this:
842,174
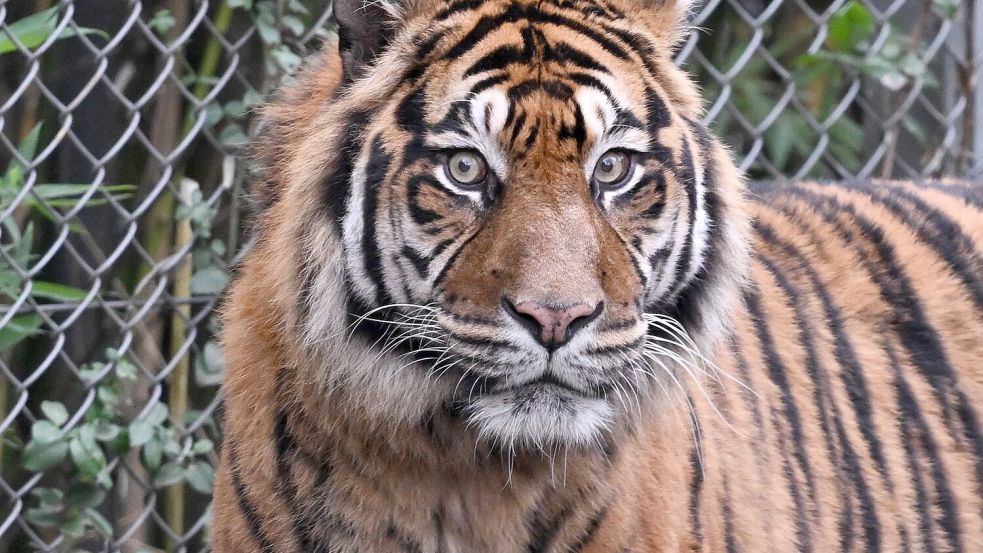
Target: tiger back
508,294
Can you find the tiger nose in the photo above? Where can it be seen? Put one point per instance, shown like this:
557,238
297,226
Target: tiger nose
552,326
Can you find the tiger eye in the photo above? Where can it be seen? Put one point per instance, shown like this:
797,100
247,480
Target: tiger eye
466,168
612,168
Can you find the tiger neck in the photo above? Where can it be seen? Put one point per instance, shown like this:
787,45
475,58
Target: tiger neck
436,481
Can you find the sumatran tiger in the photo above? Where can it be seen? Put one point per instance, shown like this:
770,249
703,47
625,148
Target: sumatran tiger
509,294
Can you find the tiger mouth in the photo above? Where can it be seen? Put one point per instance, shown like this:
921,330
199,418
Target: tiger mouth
547,380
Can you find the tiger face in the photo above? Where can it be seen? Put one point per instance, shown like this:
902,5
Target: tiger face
529,214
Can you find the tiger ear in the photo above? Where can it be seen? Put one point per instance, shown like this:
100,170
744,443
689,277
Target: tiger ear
364,28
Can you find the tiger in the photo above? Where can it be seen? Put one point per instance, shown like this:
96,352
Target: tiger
508,293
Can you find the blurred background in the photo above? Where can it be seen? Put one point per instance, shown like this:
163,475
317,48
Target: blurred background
122,214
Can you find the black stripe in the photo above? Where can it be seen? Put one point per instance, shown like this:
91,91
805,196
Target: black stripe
803,537
566,54
544,528
753,402
531,138
912,421
940,233
589,532
421,264
488,82
845,359
578,132
696,487
515,12
421,215
851,372
777,373
686,175
517,126
457,7
286,450
405,541
485,25
337,186
253,521
375,176
657,113
688,308
498,58
482,342
450,262
730,536
919,338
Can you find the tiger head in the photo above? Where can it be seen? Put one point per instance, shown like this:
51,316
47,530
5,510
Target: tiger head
506,209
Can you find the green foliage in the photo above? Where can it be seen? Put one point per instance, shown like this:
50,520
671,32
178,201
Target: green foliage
821,80
19,243
78,454
162,21
33,30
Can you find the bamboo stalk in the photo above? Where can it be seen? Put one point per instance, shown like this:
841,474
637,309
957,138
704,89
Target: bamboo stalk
178,391
177,396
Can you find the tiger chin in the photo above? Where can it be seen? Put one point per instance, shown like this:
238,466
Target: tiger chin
509,294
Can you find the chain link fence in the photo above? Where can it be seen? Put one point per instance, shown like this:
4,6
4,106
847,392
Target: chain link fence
121,209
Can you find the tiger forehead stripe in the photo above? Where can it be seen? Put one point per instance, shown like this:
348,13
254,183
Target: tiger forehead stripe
619,43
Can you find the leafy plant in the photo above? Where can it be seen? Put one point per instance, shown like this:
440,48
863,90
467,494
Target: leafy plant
80,454
820,80
18,243
33,30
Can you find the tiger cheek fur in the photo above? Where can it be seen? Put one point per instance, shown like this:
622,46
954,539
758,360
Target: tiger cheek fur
507,295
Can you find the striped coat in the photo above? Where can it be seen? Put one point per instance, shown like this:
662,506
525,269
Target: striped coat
508,294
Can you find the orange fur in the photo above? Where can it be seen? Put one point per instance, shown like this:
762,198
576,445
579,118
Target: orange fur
837,410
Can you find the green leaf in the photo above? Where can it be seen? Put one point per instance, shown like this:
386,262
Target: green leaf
126,370
43,518
168,474
18,329
200,476
82,496
157,415
87,456
73,526
63,190
235,109
202,446
57,292
140,432
39,457
55,412
33,30
293,24
287,60
99,522
153,454
162,21
210,280
106,431
849,27
50,498
209,365
232,135
265,22
46,432
29,146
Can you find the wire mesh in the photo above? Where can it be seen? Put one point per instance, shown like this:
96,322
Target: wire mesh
121,127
